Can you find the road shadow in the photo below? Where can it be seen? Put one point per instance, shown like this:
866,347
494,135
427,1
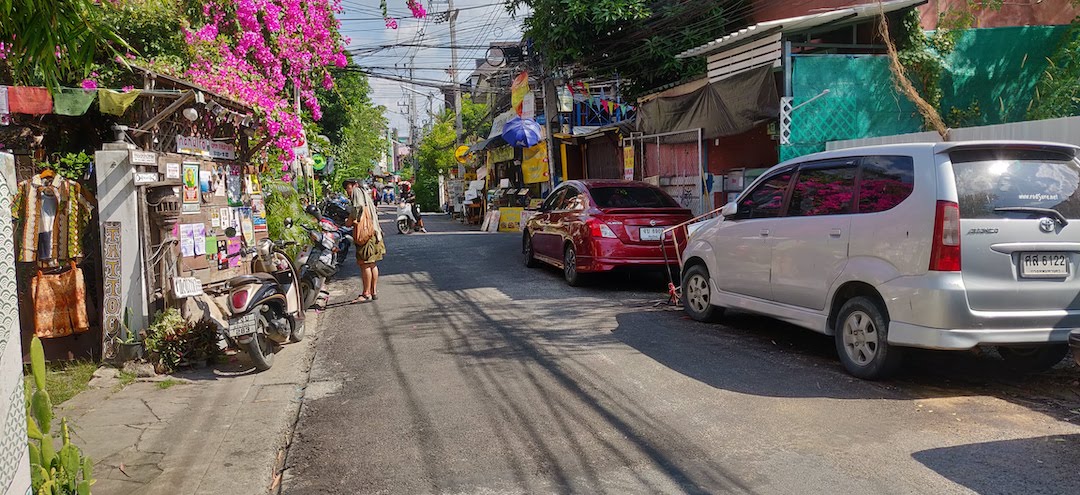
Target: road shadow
1040,465
762,356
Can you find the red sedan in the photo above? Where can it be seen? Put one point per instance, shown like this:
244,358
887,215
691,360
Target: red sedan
587,226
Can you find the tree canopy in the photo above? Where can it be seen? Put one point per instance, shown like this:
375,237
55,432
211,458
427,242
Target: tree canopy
635,39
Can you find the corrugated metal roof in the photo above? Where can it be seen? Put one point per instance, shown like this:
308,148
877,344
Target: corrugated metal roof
797,24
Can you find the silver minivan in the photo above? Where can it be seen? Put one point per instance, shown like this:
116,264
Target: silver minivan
931,245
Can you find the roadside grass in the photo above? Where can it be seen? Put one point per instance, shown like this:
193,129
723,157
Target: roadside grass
62,380
126,378
166,383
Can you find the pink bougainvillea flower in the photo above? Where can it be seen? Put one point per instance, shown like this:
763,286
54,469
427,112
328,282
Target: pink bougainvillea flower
125,89
88,84
391,23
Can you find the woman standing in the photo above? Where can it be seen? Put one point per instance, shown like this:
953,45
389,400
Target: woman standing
372,251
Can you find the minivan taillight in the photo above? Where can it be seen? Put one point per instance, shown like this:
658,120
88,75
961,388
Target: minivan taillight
945,254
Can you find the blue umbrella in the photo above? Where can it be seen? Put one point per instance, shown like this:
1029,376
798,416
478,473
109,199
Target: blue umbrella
521,133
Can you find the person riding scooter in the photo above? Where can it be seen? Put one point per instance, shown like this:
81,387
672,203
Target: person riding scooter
409,197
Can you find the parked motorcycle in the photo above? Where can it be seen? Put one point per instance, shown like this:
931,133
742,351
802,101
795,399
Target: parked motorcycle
406,218
329,248
263,309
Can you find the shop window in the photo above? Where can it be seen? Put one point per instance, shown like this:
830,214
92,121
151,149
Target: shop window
823,191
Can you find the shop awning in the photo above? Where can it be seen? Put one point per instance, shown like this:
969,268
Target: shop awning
731,106
795,25
487,144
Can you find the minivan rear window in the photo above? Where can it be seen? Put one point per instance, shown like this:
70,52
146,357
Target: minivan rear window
989,180
631,197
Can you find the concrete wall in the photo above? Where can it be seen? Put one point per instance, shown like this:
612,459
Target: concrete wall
1063,130
118,202
1012,13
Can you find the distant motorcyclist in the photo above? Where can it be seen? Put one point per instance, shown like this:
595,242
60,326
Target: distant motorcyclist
408,196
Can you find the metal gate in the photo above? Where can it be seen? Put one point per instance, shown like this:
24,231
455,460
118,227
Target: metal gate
674,161
14,467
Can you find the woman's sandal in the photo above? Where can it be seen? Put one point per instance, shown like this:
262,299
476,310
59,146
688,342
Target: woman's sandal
375,296
362,298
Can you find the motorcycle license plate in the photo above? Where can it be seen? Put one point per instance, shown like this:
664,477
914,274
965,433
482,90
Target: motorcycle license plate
244,325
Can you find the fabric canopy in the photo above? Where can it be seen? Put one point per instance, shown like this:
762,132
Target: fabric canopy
723,108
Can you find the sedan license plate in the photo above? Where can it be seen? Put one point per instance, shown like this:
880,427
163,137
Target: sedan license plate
651,233
243,325
1044,265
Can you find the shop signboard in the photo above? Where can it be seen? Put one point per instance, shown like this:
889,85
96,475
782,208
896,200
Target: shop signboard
510,219
139,157
145,178
222,151
187,287
628,162
193,146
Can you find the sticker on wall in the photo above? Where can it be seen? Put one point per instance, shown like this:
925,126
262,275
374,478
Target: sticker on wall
246,225
191,187
258,213
222,254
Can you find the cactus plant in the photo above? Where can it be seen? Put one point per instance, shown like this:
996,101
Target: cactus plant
63,472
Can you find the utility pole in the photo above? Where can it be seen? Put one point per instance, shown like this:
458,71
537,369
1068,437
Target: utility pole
412,103
453,70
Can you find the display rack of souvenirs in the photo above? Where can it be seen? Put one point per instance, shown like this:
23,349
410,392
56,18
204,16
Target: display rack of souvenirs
51,214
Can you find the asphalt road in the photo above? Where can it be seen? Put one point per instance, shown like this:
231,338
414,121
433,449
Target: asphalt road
474,374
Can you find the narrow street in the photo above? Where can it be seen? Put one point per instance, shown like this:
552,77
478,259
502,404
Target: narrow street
474,374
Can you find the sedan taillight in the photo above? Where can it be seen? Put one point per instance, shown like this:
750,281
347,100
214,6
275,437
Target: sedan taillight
598,229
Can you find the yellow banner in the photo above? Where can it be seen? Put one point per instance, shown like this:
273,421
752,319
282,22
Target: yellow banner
518,89
534,164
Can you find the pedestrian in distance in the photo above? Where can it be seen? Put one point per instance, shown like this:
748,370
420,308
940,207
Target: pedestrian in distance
373,249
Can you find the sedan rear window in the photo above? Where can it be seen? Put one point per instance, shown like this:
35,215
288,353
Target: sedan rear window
1001,183
631,197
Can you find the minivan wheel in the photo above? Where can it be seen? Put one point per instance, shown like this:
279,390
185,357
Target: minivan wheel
862,340
696,296
1034,358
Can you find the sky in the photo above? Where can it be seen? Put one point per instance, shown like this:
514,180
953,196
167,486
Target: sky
479,22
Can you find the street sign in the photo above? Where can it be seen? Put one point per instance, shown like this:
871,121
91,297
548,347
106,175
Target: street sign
460,153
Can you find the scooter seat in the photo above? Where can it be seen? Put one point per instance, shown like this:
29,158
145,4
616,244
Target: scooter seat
254,278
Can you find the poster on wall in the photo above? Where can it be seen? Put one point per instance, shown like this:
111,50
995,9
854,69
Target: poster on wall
233,247
191,187
235,185
258,214
222,254
628,162
253,186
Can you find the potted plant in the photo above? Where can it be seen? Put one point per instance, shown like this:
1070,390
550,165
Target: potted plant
131,346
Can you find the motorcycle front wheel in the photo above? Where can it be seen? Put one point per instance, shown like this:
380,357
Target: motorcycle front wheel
403,227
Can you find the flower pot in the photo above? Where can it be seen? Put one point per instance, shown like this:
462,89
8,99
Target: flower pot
131,352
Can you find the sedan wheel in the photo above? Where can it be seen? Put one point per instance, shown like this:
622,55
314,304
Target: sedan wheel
527,250
570,272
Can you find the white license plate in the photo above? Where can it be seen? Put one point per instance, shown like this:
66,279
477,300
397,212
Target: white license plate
1044,265
243,325
651,233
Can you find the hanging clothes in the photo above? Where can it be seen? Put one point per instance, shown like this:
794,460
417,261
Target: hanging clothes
52,214
59,303
30,100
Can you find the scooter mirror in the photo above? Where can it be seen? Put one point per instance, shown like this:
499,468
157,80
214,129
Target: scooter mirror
230,232
288,223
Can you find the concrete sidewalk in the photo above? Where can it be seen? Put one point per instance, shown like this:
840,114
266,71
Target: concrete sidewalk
214,430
